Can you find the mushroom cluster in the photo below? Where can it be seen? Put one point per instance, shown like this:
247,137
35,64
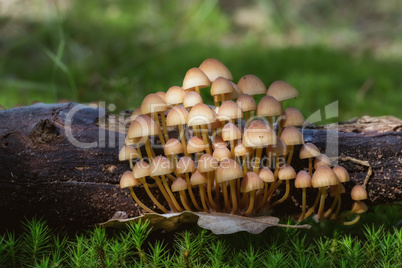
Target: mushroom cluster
231,157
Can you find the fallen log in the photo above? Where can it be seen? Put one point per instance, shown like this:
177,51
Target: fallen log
60,162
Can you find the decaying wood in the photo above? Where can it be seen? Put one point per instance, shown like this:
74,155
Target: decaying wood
43,173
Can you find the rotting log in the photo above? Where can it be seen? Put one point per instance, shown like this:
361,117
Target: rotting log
43,172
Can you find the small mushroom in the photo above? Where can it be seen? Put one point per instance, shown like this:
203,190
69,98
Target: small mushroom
309,151
343,176
228,171
128,153
220,87
208,164
180,185
252,85
202,116
269,107
185,166
303,180
358,208
195,79
291,136
286,173
250,184
156,107
178,116
142,128
200,179
213,69
248,105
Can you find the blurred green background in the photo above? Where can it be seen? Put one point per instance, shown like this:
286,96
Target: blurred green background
118,51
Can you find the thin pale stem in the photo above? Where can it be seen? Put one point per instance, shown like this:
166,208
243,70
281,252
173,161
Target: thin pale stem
209,190
257,159
232,184
329,211
183,139
284,197
272,190
197,89
165,133
147,209
251,205
176,204
148,149
204,133
265,196
190,191
353,221
164,193
203,196
322,203
311,210
225,195
304,197
291,148
139,150
156,202
184,200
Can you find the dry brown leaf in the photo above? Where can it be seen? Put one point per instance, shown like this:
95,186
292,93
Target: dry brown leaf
218,223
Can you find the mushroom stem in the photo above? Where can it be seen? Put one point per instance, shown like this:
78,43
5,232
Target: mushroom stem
183,139
291,148
156,202
258,154
352,221
247,115
232,148
284,197
139,202
197,89
164,193
311,210
222,98
232,184
131,163
225,195
334,202
244,165
184,200
216,102
272,189
265,196
204,133
164,128
322,202
203,196
251,205
209,189
280,125
190,191
310,166
270,121
176,204
252,113
338,208
148,149
195,131
304,197
139,151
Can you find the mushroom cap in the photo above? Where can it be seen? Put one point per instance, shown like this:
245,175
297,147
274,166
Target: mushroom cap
213,68
153,103
282,91
278,149
286,172
309,150
173,147
221,86
292,136
251,182
175,95
221,153
179,184
236,92
177,116
266,175
127,180
185,165
207,163
258,135
341,173
195,77
334,189
195,145
218,141
359,207
143,126
160,166
358,193
141,169
240,150
217,123
324,176
161,94
198,178
135,113
230,132
269,106
246,103
322,160
192,98
229,110
127,153
303,180
228,170
201,114
292,117
251,85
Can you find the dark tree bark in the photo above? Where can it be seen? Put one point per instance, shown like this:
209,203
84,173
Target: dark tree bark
44,173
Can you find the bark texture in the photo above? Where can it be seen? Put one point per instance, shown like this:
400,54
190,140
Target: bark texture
43,172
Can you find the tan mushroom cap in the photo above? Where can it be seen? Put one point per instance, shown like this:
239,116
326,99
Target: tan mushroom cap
141,169
322,160
177,116
228,170
358,193
175,95
258,134
198,178
135,113
324,176
218,141
309,150
195,77
143,126
161,94
278,149
246,103
127,180
240,150
213,68
127,153
233,95
286,172
341,173
153,103
292,136
251,182
303,180
269,106
191,99
266,175
221,86
282,91
221,153
252,85
333,190
292,117
185,165
229,110
179,184
359,207
161,166
201,114
173,147
207,163
217,123
230,132
195,145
